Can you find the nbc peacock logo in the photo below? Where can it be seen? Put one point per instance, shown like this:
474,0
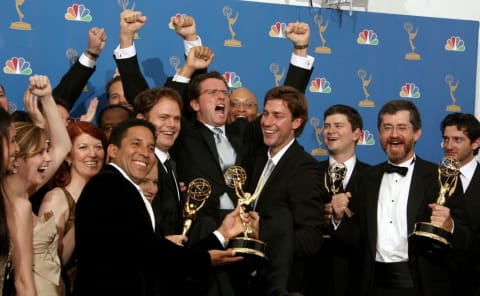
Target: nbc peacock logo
17,66
367,37
366,138
320,85
277,30
233,79
455,43
410,90
79,13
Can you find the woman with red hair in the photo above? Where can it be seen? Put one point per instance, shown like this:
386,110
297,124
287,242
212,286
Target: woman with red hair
83,162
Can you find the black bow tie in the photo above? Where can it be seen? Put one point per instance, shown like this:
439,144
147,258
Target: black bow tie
390,168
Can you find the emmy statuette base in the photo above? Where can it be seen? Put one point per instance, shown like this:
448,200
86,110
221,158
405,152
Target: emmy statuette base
430,238
252,250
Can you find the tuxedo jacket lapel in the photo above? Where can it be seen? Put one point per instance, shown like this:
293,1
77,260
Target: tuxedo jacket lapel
416,193
209,139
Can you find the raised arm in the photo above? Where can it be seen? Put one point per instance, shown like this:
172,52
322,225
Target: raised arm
60,143
125,55
73,82
301,66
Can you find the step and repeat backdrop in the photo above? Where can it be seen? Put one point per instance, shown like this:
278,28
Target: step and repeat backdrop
363,59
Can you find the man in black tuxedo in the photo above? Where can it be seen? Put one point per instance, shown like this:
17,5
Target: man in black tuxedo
290,210
118,250
334,270
461,139
389,199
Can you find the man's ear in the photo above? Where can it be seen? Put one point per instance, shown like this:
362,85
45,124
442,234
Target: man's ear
195,105
112,151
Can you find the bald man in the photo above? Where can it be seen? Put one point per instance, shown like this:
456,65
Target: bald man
243,103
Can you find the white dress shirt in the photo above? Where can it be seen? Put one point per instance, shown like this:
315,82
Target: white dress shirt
392,226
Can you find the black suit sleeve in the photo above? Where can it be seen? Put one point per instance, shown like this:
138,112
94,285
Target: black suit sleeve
132,78
298,77
72,83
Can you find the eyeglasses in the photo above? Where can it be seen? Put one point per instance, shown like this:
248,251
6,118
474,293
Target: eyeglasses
401,128
214,92
246,105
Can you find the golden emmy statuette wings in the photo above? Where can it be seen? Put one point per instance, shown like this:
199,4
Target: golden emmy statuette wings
253,250
198,192
427,235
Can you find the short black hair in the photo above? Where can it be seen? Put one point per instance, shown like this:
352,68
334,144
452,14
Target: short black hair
467,123
111,107
352,114
119,131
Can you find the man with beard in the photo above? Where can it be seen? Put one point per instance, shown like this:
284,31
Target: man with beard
461,139
391,198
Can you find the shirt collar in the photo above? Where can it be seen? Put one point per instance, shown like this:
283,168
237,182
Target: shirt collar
469,169
278,156
162,156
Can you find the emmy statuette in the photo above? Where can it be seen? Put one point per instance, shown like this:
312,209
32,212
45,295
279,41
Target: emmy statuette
197,193
251,249
426,235
333,183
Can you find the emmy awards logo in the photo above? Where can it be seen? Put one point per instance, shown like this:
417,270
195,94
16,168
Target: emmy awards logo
274,68
411,36
319,151
449,80
318,19
175,62
227,11
427,235
72,56
197,193
251,249
124,5
362,74
20,25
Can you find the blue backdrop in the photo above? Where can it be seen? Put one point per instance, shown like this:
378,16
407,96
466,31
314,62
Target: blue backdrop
363,60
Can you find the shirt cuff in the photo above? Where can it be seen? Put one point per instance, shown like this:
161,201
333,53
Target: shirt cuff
85,61
125,53
221,239
179,78
302,62
189,44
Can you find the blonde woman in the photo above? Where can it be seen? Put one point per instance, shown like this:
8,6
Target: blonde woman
43,147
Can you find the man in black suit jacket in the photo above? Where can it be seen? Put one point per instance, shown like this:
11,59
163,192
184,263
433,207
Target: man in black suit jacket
194,150
461,139
162,107
388,203
118,250
291,212
334,270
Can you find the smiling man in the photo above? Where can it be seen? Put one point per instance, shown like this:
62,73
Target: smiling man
334,271
289,181
162,107
118,250
389,199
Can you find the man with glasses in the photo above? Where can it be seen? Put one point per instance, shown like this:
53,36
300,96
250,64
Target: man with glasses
244,104
390,198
